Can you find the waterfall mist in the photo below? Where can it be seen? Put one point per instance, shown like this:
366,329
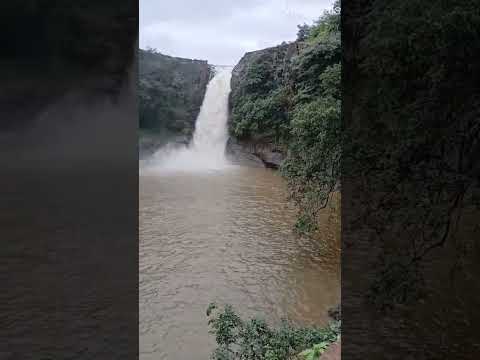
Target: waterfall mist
206,151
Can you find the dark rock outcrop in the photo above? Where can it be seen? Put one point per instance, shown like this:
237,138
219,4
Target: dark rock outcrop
277,59
256,152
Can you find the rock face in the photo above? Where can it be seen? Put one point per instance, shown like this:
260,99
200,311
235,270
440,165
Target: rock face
170,92
277,58
275,63
257,153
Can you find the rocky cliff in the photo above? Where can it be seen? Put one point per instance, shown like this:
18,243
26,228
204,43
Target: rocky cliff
275,59
258,105
286,110
170,92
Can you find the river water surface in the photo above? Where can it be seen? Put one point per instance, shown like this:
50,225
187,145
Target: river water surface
226,236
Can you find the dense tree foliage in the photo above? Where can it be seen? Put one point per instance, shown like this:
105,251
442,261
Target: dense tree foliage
291,95
170,92
254,339
260,101
312,166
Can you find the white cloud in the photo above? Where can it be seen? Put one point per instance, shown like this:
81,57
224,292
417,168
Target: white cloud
222,31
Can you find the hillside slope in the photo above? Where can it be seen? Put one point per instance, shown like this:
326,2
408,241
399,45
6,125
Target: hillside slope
170,93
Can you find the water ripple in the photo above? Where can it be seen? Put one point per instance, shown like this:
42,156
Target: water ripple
226,237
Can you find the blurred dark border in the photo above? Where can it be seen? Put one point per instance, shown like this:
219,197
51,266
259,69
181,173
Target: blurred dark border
69,180
410,180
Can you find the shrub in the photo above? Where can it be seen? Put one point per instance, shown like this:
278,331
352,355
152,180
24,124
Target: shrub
254,339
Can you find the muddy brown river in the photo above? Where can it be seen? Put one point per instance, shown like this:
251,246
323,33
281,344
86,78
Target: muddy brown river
226,237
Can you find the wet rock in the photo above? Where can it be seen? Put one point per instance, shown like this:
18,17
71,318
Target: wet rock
254,153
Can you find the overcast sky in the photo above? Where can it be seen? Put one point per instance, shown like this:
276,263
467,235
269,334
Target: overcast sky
221,31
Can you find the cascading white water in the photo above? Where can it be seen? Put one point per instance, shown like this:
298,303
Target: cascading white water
207,149
210,136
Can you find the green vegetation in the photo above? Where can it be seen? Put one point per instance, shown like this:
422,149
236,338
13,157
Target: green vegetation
263,115
291,95
254,339
260,101
170,92
312,166
314,352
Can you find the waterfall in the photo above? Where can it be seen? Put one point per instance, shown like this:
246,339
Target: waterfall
210,136
207,148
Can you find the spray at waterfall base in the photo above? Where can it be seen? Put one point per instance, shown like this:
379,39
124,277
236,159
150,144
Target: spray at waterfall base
206,151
